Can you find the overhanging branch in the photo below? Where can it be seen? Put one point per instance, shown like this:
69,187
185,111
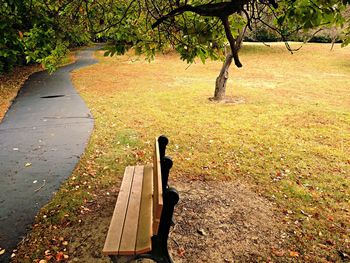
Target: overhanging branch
232,41
220,10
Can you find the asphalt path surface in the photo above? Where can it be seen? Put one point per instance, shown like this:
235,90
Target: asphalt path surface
42,137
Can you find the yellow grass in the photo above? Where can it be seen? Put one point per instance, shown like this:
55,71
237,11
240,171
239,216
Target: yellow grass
289,139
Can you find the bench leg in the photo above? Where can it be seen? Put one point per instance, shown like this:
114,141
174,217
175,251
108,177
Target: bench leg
160,241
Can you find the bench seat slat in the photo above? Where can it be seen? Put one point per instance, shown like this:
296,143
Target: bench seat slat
144,232
128,240
112,242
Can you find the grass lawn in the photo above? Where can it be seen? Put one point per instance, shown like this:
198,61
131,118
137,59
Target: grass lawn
285,134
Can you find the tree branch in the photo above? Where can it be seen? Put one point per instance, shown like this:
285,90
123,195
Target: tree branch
119,21
220,10
232,41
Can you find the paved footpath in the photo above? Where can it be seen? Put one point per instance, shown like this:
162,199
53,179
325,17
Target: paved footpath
41,139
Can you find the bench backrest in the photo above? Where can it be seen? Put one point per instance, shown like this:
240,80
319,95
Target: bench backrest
157,188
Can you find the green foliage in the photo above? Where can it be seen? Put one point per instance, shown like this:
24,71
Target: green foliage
50,27
55,58
195,36
51,49
346,33
39,31
346,40
262,34
11,46
305,15
10,50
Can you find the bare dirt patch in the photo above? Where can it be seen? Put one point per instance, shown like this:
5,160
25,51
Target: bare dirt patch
215,222
224,222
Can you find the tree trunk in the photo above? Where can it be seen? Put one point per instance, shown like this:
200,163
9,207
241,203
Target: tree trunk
221,80
235,45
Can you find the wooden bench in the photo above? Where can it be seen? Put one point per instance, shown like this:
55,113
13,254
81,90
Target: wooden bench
143,213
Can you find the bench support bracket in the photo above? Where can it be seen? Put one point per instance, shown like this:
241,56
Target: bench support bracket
160,241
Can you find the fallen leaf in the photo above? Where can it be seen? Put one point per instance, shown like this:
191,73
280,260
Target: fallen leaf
28,164
65,243
59,256
293,254
278,253
2,251
181,251
43,261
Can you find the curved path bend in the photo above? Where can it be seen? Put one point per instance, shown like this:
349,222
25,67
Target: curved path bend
42,137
